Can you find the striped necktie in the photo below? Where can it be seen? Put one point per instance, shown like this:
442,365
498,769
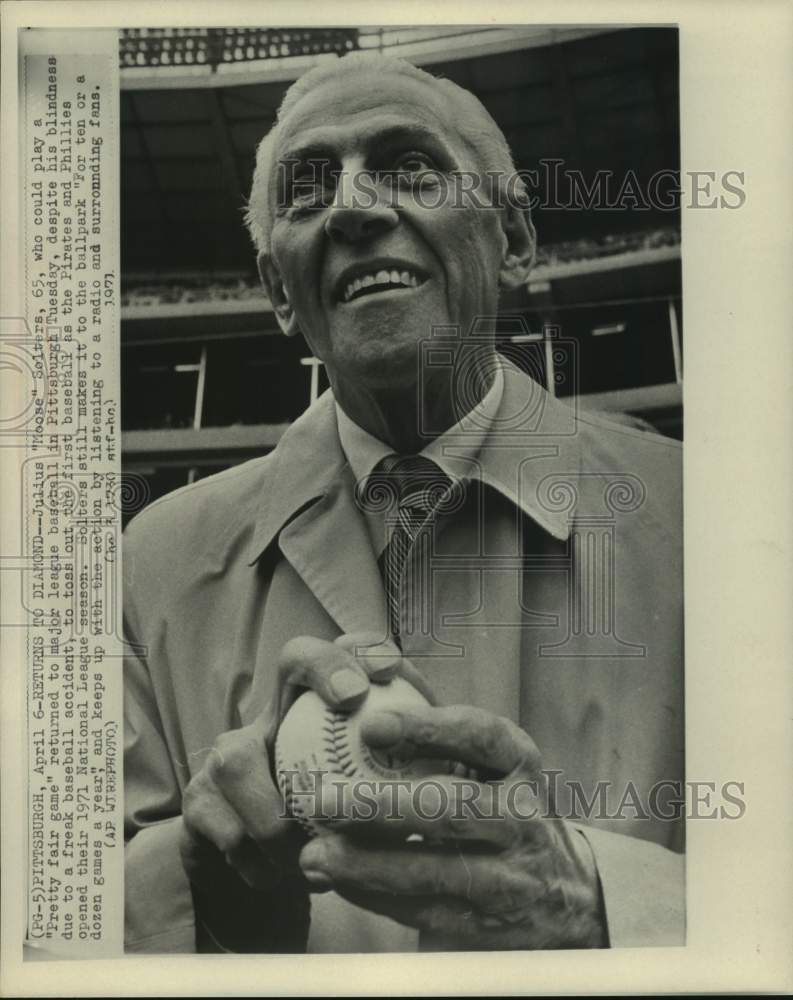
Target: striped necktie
415,488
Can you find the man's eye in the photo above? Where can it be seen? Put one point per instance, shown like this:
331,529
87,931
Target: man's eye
309,192
412,164
310,184
305,188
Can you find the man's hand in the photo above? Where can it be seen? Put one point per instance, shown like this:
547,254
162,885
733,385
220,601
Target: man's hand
491,867
235,834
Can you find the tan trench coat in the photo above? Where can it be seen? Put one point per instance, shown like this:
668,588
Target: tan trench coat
556,601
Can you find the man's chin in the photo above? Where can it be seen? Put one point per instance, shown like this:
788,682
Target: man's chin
382,373
384,364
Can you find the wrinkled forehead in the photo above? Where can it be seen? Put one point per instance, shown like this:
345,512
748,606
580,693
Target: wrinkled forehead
354,106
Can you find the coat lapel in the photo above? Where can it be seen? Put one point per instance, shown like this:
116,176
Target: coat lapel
329,547
311,515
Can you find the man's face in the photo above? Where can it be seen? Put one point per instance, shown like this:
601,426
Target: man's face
370,254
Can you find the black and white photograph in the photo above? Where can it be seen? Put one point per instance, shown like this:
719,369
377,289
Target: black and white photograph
402,382
394,521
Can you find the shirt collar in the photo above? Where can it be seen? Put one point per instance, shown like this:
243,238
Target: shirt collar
528,448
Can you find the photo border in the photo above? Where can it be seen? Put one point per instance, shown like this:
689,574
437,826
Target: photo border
736,112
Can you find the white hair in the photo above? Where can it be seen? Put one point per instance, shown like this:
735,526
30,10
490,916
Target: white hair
472,119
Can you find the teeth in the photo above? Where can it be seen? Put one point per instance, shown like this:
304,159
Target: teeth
405,279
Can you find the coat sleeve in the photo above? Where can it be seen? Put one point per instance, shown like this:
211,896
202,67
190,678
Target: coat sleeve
158,901
643,886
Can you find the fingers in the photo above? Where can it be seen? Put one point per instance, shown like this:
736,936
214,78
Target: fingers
472,736
340,671
233,806
238,770
209,816
397,870
324,667
233,815
380,660
383,660
210,829
439,808
417,870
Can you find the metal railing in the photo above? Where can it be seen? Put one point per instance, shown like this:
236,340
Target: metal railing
213,47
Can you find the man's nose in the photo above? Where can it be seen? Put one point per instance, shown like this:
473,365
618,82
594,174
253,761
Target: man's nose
359,210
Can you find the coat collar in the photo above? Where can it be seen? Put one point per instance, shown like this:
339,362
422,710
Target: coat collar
308,460
533,445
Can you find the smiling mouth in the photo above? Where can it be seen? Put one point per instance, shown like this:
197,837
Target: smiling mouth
380,281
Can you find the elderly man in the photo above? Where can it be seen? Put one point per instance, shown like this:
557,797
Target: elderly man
543,619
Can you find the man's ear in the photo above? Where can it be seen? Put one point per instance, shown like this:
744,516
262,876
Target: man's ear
278,295
519,246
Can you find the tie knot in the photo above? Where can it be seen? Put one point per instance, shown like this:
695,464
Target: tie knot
410,482
419,481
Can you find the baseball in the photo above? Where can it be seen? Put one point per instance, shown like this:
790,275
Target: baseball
316,743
